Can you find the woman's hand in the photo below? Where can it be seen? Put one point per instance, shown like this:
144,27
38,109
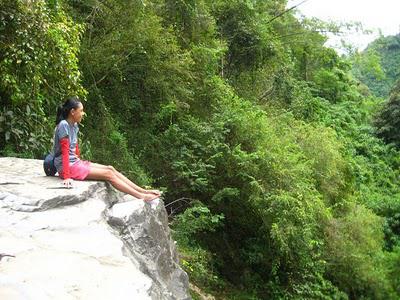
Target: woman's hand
68,183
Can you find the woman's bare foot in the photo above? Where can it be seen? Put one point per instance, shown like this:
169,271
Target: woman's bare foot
149,197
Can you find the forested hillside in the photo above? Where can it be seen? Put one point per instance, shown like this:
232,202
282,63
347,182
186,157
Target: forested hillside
378,66
276,180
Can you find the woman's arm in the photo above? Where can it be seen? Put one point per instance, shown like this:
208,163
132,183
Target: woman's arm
77,151
65,157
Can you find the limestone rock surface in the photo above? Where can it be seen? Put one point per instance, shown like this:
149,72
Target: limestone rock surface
89,242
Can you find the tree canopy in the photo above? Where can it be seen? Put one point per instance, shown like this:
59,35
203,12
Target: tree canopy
262,138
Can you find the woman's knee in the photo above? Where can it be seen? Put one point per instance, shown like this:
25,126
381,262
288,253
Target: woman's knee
105,174
111,175
100,174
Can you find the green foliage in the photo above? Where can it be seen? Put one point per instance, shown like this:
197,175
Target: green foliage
194,220
355,257
185,151
369,63
117,152
197,220
24,135
258,167
332,173
374,165
38,63
133,72
387,120
393,263
236,104
38,53
248,43
378,65
191,20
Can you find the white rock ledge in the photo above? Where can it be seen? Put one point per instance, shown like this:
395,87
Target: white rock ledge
89,242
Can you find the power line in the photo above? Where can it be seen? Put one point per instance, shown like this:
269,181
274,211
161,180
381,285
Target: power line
285,11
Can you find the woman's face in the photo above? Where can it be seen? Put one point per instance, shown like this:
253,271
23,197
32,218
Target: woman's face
77,113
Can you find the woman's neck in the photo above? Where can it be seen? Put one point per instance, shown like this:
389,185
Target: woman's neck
70,121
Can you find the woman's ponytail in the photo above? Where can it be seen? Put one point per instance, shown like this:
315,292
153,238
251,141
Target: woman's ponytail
63,110
60,114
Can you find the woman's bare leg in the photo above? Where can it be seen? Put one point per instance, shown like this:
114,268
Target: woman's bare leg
107,174
125,179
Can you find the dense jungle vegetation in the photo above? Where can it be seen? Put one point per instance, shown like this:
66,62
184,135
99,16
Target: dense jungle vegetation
280,167
378,66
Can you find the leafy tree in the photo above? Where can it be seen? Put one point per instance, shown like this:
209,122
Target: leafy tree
378,65
387,121
39,67
355,257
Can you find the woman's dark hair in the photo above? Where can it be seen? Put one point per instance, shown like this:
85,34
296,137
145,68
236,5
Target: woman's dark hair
63,110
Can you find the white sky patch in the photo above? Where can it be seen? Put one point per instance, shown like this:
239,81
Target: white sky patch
375,15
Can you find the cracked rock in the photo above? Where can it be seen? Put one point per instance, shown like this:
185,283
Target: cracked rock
89,242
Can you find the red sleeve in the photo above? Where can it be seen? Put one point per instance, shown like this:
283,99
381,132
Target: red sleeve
77,151
65,157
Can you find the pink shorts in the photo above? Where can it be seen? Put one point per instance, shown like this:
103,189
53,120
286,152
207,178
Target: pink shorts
79,170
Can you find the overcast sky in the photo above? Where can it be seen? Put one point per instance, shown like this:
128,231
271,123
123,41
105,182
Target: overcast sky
373,14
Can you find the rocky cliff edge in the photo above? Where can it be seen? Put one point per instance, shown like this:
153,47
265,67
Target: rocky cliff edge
89,242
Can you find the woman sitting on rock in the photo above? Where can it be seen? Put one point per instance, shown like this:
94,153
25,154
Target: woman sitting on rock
67,157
